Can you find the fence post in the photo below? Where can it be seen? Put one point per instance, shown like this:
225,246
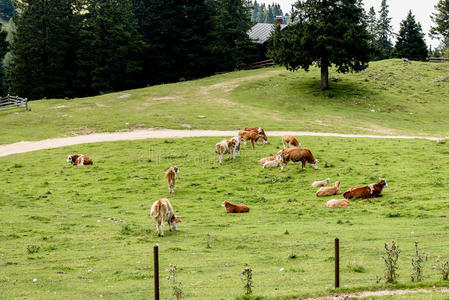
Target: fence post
337,263
156,272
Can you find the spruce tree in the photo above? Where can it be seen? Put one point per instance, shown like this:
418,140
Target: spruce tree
331,32
410,41
110,54
43,48
255,12
4,45
6,10
441,20
372,23
384,31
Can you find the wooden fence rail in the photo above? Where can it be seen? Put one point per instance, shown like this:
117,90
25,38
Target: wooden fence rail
438,59
13,102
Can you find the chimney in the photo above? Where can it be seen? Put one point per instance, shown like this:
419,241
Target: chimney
279,20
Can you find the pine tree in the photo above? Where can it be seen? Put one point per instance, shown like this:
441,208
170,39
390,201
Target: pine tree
255,12
441,20
372,23
384,31
4,45
331,32
410,41
6,10
44,48
110,56
261,14
269,18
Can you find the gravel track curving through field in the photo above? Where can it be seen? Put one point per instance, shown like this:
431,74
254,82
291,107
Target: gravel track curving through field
371,294
22,147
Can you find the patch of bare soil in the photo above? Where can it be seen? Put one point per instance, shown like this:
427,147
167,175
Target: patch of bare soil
370,294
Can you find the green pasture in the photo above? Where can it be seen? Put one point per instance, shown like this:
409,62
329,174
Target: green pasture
390,97
85,232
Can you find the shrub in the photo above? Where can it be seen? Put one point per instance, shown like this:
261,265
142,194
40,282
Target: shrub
32,249
418,264
391,262
176,286
443,267
247,278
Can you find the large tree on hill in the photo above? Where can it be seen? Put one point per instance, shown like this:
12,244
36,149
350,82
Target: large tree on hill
4,45
441,20
372,25
44,48
410,41
6,9
384,31
327,32
110,53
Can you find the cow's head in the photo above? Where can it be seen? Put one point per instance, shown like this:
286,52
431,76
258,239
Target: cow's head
328,180
176,169
224,203
383,182
315,165
337,185
69,159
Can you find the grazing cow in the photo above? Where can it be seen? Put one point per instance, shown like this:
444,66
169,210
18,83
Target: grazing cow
343,203
298,154
250,136
171,175
79,160
273,163
269,158
235,209
290,140
259,131
329,191
224,147
366,191
321,182
236,148
161,212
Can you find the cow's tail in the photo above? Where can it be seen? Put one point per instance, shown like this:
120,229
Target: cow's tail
155,211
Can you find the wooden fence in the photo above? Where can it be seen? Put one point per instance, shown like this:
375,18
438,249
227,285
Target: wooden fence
438,59
13,102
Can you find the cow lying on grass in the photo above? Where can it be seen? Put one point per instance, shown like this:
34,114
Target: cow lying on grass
343,203
235,209
366,191
251,136
321,182
290,140
262,161
171,175
224,147
79,160
275,163
260,131
161,212
329,191
298,154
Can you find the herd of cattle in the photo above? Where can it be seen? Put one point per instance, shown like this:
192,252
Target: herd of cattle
162,210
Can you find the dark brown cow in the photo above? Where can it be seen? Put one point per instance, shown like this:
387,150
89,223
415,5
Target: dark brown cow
366,191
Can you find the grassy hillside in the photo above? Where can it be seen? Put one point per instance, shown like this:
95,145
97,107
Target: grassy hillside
85,233
388,98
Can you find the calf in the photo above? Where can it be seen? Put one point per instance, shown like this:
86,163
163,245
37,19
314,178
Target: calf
236,148
337,203
224,147
79,160
235,209
321,182
171,175
272,163
290,140
329,191
298,154
161,212
250,136
269,158
259,131
366,191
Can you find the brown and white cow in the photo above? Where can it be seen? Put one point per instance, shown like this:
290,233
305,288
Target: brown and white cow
161,212
366,191
341,203
259,131
171,174
273,163
329,191
302,155
224,147
290,140
79,160
235,209
251,136
236,148
262,161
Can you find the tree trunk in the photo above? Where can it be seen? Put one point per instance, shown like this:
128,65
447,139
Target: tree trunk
324,75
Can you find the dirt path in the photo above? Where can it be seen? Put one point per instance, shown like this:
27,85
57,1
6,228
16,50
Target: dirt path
371,294
22,147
